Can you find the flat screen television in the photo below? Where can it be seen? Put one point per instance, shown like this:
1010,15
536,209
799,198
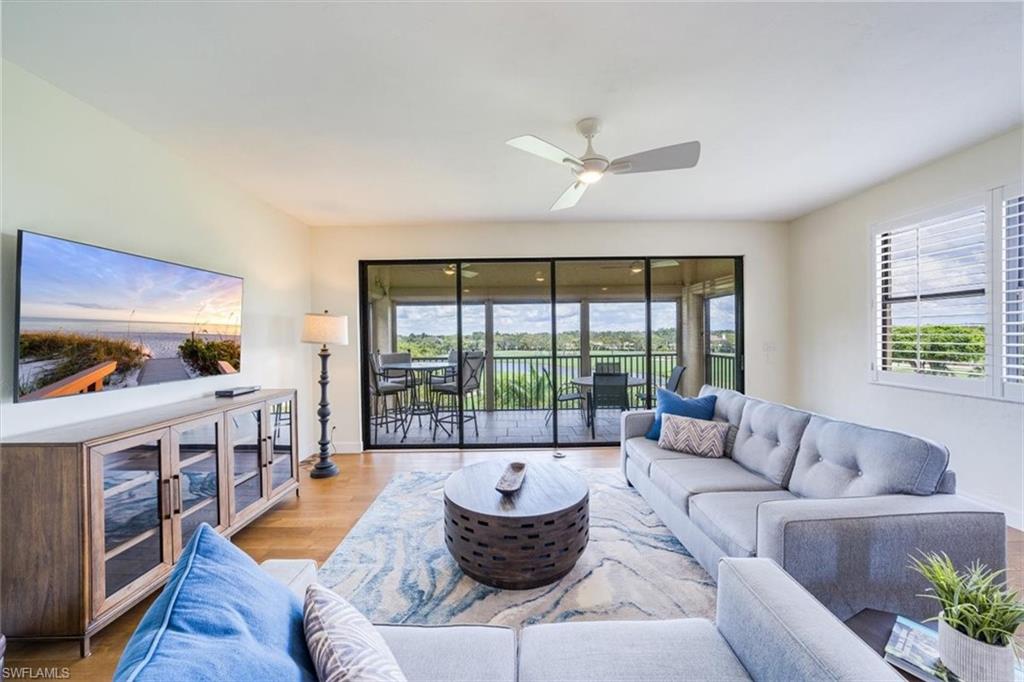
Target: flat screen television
93,319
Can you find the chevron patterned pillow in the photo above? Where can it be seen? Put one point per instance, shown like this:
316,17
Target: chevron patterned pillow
693,436
344,646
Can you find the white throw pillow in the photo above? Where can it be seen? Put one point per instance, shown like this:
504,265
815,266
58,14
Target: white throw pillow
693,436
344,646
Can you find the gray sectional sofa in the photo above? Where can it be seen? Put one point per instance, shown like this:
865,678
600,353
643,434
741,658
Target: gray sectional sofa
839,506
767,628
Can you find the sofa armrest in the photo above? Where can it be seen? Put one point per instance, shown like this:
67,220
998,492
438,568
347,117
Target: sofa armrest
853,553
780,632
297,574
632,424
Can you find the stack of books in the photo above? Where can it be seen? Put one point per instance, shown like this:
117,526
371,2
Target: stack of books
914,648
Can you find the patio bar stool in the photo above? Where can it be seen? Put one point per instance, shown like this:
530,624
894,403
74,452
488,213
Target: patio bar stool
380,390
446,407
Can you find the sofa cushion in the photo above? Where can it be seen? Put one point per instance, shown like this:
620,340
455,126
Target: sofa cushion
342,643
728,405
644,452
676,650
671,403
730,519
678,479
693,436
839,459
768,438
454,653
220,617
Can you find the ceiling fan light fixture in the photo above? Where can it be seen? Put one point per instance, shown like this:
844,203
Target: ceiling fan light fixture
448,270
636,267
590,176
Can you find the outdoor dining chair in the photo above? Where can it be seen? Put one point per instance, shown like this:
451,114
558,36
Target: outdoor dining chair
567,393
610,391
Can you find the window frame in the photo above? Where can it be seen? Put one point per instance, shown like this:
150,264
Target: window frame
990,386
1005,390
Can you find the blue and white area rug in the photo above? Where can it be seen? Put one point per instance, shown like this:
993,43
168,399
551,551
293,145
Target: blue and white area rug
394,567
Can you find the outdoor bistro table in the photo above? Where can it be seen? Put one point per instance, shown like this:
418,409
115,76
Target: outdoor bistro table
418,372
632,381
587,384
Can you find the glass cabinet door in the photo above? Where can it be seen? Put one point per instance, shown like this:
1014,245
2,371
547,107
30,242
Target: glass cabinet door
196,481
245,452
132,514
280,438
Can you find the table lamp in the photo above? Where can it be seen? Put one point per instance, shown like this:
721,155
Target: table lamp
323,328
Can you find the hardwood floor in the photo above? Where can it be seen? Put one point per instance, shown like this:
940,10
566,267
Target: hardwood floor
309,526
312,525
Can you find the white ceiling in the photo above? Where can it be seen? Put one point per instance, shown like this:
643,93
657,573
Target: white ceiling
371,113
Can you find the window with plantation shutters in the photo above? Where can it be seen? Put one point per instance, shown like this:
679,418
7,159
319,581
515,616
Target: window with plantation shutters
932,303
1012,308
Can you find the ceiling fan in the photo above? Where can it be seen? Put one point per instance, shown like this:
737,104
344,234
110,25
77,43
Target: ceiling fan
636,267
590,167
466,272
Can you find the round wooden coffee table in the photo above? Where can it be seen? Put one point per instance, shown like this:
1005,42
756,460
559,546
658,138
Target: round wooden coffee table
519,541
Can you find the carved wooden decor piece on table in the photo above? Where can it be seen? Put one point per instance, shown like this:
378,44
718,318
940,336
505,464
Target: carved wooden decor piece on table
512,478
519,541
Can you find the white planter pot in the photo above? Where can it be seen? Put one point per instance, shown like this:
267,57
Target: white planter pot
972,660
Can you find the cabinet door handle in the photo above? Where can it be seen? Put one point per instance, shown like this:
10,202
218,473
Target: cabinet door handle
270,450
177,493
165,499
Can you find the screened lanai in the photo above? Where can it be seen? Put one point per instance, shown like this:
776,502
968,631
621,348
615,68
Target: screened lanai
539,352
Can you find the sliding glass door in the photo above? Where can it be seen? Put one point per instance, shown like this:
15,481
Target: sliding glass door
538,352
607,373
508,396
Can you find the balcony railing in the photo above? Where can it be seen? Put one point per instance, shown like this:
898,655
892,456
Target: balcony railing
521,383
720,369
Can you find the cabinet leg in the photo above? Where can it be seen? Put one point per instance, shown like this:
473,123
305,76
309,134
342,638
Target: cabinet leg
83,647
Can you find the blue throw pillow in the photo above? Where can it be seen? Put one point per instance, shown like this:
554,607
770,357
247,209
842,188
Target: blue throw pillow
220,617
672,403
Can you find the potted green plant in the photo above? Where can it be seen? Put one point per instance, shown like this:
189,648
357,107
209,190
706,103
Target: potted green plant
978,618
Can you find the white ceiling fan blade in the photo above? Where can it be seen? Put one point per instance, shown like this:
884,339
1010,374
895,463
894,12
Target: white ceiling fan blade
675,156
545,150
664,263
469,274
570,196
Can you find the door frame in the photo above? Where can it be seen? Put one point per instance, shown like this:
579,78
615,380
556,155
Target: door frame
269,445
236,517
223,509
365,347
102,602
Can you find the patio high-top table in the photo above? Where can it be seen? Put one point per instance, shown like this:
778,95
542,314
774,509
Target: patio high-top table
417,406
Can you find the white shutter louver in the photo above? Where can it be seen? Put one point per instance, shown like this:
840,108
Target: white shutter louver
1012,257
932,307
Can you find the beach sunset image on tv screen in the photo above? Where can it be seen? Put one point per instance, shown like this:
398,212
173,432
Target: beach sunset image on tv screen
91,319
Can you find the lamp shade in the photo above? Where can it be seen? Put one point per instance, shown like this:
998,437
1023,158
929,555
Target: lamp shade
324,328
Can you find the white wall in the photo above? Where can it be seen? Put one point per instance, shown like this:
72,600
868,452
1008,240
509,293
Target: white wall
337,251
71,171
831,288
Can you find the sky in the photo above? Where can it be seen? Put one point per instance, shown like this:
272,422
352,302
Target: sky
535,317
69,281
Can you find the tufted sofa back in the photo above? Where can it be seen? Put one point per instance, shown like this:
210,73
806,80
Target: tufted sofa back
768,438
728,405
839,459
